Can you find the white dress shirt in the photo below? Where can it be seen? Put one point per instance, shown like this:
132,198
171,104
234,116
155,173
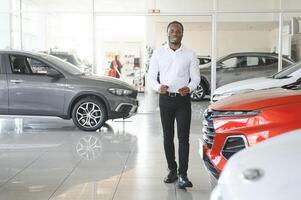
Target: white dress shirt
175,68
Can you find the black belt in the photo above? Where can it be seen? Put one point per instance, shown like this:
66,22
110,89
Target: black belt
173,94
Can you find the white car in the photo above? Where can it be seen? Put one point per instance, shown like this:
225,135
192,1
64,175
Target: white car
268,170
282,78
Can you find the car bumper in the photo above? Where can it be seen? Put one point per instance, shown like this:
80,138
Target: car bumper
213,171
127,109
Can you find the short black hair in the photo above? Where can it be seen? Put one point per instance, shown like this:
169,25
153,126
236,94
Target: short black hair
175,22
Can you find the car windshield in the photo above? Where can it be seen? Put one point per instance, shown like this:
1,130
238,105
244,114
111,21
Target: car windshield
69,58
287,72
70,68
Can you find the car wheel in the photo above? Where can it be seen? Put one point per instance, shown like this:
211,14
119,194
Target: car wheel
89,114
199,93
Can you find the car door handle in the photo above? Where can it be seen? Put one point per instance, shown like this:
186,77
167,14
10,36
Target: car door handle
16,81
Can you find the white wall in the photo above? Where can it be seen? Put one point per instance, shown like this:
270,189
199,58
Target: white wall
232,38
199,41
242,41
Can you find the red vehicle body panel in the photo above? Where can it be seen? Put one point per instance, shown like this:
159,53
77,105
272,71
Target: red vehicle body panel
279,112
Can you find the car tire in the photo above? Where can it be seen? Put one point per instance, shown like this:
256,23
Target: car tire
89,114
199,93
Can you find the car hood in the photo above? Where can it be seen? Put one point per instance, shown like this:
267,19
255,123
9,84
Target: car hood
235,182
254,83
107,79
258,99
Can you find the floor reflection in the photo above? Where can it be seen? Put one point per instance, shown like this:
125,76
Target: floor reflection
49,158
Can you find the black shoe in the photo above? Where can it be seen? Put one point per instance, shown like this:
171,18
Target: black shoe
183,182
171,177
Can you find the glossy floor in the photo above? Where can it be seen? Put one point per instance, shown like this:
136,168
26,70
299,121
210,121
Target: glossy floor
48,158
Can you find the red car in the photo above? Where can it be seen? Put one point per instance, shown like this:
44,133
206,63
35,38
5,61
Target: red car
240,121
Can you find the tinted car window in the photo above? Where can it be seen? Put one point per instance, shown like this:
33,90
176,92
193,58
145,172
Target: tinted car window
203,61
19,65
287,72
26,65
37,67
270,60
69,58
230,63
252,61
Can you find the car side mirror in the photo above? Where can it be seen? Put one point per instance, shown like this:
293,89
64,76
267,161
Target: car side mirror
53,73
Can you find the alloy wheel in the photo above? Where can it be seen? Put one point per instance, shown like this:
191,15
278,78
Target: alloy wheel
89,115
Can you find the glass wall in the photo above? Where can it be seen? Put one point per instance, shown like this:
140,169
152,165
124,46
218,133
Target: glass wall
4,31
121,36
72,34
96,30
291,35
34,31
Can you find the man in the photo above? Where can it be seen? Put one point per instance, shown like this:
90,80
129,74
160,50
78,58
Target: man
178,69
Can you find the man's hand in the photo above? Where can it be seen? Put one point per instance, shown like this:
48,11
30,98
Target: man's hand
163,89
184,91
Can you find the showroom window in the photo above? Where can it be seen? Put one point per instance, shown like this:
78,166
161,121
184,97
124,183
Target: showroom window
242,26
291,35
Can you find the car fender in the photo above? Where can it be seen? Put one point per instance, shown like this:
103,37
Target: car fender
83,94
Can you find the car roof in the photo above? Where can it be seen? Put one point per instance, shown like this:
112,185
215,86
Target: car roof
273,54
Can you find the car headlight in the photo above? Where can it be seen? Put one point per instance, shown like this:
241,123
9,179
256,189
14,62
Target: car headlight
217,97
234,114
120,92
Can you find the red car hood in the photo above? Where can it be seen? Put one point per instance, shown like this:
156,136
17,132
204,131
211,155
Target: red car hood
258,99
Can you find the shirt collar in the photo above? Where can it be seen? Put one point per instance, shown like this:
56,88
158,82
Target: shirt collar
179,49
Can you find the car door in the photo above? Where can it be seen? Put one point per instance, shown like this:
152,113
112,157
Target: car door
270,66
31,90
227,70
3,88
253,67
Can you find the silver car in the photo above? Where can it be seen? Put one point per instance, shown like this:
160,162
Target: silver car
41,84
236,67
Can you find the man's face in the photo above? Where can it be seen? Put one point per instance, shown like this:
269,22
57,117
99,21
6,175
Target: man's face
175,34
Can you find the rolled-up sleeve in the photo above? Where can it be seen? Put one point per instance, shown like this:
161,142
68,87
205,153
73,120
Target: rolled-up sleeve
194,73
153,72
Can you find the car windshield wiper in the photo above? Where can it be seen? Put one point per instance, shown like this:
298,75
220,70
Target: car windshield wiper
292,86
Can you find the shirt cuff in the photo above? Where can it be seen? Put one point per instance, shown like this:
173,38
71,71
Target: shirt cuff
191,88
158,87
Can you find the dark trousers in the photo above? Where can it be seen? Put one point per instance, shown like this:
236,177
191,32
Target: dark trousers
176,108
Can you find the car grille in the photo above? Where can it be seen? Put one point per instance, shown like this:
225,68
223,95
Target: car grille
125,108
233,145
208,128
